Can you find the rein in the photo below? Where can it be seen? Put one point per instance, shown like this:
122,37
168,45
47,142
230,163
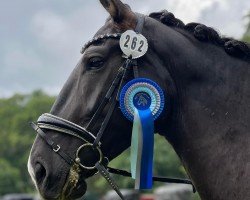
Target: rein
90,141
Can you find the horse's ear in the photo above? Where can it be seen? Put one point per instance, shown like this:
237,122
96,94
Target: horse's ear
120,13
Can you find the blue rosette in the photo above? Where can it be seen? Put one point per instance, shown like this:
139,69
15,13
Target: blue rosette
141,85
142,102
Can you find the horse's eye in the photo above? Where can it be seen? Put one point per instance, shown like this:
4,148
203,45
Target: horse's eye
95,63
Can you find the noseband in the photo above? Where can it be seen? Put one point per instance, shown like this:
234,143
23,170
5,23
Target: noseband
91,141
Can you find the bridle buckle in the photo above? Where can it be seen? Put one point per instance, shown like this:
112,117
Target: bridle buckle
57,148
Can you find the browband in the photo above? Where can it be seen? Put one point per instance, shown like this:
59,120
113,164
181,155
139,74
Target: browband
99,38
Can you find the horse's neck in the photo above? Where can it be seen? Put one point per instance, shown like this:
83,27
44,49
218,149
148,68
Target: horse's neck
214,126
215,137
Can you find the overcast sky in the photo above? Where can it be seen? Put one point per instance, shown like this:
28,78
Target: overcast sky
40,40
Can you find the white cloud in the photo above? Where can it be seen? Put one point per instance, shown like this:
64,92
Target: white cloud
64,35
17,59
5,93
227,16
49,26
188,10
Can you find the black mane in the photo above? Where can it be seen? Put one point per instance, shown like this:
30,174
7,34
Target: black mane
207,34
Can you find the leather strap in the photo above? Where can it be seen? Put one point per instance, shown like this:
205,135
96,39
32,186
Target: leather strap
127,66
114,101
155,178
106,99
140,22
105,122
102,170
56,148
138,29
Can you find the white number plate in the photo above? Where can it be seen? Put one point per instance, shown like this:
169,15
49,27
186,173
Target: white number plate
133,44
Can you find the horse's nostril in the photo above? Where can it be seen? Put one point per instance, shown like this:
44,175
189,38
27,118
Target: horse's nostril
40,172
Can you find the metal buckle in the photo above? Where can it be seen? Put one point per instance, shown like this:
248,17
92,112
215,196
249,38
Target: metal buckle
78,160
57,149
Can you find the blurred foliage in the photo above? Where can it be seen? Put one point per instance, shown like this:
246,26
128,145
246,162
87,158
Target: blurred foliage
246,36
16,138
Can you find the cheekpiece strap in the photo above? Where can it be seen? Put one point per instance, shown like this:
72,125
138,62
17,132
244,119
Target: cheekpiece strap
140,22
105,173
138,29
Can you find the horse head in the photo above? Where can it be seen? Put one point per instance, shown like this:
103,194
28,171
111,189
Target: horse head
80,97
196,75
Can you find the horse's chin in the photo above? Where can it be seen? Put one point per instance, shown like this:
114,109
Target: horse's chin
76,186
68,193
76,192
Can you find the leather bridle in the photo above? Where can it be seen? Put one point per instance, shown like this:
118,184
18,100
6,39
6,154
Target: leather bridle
90,141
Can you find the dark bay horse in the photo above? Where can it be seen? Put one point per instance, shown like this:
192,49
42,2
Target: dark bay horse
206,80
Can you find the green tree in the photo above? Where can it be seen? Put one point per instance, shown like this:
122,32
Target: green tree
9,176
16,138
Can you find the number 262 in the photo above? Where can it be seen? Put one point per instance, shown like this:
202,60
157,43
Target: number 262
134,43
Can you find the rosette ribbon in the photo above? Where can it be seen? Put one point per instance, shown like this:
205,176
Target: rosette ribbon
142,101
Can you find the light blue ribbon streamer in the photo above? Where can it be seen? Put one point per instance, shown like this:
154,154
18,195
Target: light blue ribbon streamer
142,146
136,144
